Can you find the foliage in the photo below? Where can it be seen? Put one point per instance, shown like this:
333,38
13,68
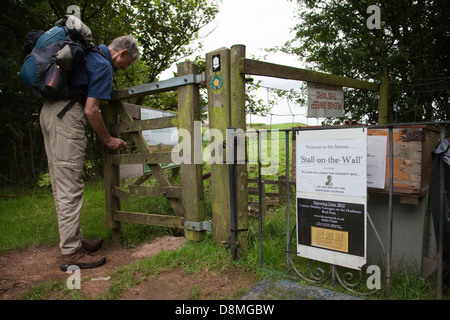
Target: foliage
166,30
412,44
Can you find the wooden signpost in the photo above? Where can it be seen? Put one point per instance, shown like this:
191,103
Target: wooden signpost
226,106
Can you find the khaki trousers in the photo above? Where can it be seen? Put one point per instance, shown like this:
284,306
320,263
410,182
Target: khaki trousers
65,144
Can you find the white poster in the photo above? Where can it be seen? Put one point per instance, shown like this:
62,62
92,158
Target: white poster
376,161
332,195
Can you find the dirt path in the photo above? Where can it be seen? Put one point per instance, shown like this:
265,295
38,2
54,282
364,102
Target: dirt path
20,270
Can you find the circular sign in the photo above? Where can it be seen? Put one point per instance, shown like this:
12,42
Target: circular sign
216,82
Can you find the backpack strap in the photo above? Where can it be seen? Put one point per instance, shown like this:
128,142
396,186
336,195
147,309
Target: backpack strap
97,49
76,99
66,108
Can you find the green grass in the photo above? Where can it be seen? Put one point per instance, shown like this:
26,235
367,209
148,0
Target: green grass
27,219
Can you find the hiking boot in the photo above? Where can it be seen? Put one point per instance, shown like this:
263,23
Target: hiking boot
81,259
92,245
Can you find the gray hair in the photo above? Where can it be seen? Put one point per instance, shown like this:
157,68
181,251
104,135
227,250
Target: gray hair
126,42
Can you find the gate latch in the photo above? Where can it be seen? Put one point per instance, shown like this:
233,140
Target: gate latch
198,226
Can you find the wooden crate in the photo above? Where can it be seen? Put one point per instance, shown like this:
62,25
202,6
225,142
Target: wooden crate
413,147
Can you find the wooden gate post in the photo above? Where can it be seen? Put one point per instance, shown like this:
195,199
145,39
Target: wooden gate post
218,84
238,121
191,172
111,176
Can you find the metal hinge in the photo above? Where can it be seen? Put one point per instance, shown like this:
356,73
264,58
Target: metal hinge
168,84
198,226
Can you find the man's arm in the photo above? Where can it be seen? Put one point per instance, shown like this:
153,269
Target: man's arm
92,112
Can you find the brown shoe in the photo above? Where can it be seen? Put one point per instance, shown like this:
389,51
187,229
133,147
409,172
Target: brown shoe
82,259
92,245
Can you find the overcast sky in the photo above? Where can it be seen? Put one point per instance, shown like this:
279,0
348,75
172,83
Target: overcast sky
258,24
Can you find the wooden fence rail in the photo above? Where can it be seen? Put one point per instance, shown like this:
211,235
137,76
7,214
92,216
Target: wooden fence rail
269,198
187,203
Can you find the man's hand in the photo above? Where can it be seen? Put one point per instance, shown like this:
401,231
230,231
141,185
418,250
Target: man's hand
94,117
115,143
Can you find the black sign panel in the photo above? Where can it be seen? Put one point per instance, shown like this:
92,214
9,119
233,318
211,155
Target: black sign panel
331,225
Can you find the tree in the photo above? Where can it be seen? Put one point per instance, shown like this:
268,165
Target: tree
166,30
409,49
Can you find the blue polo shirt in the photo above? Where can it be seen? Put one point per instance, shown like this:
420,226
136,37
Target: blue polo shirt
95,76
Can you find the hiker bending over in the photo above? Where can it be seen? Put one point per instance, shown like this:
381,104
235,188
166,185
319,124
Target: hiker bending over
65,142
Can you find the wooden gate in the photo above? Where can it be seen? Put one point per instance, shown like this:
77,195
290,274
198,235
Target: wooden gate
187,202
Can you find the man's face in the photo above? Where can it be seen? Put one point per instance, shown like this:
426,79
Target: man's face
123,60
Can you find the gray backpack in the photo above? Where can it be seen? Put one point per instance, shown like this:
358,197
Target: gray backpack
53,55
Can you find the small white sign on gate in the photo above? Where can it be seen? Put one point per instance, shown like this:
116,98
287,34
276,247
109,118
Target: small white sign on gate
325,101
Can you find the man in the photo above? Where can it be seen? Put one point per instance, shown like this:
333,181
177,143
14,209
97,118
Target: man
65,143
